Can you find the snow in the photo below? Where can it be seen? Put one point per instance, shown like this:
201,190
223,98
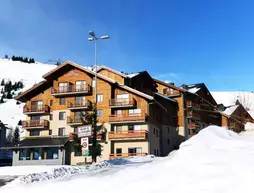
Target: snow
230,110
132,75
194,90
15,71
215,160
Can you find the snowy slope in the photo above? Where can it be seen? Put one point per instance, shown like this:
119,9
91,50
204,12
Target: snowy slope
15,71
214,161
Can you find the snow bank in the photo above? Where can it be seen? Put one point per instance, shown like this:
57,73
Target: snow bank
215,160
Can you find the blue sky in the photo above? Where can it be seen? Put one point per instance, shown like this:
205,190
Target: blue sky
184,41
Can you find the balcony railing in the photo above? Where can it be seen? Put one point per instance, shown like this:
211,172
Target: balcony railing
33,124
137,117
126,155
172,92
191,104
36,109
133,134
80,104
100,136
71,89
191,114
74,120
122,103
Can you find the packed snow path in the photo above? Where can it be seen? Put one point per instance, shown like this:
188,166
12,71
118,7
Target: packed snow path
215,160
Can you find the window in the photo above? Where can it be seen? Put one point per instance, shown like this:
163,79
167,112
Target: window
50,132
75,129
130,127
157,133
168,141
51,102
99,113
93,83
118,128
62,101
63,86
99,98
119,113
80,100
171,91
37,154
134,150
24,154
61,131
36,105
52,153
35,132
134,112
61,115
119,151
122,99
51,117
165,90
80,85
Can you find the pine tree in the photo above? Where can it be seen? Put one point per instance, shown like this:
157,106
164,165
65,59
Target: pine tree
20,123
2,99
9,95
32,60
13,58
16,136
6,56
20,85
17,103
4,95
26,59
10,135
2,91
2,82
58,63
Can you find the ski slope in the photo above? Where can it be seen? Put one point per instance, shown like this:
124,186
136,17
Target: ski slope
215,160
15,71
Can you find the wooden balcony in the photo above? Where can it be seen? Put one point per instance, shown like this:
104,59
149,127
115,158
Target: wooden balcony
35,124
36,109
131,118
80,104
126,155
191,104
73,121
71,90
120,103
127,135
100,136
172,93
192,115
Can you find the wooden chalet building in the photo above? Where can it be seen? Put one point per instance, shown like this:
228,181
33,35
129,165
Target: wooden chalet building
137,120
196,107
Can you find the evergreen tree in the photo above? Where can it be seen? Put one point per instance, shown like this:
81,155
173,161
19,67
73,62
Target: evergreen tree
2,82
4,95
10,135
32,60
13,58
6,56
16,136
25,60
58,63
20,123
20,85
2,91
17,103
9,95
2,99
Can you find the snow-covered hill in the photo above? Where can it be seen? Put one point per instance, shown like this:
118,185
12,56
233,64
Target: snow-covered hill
29,74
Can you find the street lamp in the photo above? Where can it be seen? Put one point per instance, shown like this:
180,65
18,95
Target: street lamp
94,38
94,124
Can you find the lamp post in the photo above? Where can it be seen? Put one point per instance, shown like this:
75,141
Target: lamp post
94,124
94,38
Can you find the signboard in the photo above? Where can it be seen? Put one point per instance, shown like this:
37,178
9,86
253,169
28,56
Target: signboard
84,131
85,149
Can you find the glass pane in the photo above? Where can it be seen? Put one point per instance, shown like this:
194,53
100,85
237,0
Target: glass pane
52,153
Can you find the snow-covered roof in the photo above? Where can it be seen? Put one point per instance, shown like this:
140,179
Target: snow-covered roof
230,110
249,126
194,90
167,98
136,91
132,75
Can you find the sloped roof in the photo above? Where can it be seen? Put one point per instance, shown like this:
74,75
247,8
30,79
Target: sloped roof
136,91
111,70
169,85
230,110
167,98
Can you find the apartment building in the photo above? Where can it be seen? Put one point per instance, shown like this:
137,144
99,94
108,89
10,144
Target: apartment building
196,107
234,117
137,121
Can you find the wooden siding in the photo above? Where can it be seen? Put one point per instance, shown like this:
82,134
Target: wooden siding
112,75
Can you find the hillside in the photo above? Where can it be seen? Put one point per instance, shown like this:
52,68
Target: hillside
15,71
